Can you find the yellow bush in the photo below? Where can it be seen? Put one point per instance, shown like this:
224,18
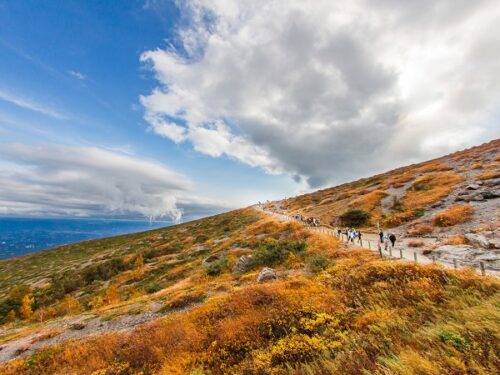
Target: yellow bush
456,214
369,200
431,188
421,229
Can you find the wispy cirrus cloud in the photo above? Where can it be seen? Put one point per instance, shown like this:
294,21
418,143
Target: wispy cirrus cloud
31,105
77,75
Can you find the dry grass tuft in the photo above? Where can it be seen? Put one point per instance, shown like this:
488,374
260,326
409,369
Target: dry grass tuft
421,229
415,243
456,214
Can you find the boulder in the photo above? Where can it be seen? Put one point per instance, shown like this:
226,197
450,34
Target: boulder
243,264
477,240
266,274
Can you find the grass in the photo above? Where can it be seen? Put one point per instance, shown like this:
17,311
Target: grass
415,243
456,214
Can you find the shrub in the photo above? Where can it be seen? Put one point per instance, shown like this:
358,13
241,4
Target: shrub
455,240
459,213
217,267
317,263
153,288
355,217
415,243
488,175
421,229
369,201
272,252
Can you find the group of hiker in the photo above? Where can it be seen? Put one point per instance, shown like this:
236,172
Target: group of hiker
386,237
353,235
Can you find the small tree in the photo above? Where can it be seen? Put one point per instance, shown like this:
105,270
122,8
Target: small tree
355,217
26,306
11,316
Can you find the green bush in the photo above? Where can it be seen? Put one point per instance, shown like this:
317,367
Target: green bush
317,263
272,252
457,341
355,217
217,267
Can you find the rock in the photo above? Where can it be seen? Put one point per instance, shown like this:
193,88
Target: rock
492,183
78,326
242,264
23,348
478,240
480,183
463,193
463,198
211,258
472,187
266,274
477,197
490,194
494,243
2,347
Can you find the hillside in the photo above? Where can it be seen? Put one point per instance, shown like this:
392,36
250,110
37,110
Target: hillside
447,207
186,299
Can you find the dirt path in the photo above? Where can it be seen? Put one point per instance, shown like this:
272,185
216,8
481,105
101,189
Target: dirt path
370,241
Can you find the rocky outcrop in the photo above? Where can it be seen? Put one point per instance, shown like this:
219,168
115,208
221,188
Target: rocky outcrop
266,274
477,240
467,255
476,193
243,264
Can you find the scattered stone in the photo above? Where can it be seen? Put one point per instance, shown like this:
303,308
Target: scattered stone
243,264
267,274
477,197
492,183
472,187
23,348
211,258
478,240
78,326
494,243
490,194
2,347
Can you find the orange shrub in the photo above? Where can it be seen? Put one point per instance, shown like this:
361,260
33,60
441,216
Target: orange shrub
459,213
430,188
369,200
454,240
415,243
488,175
421,229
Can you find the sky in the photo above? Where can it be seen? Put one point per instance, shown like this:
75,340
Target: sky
180,109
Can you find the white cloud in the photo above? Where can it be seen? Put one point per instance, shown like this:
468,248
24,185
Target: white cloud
31,105
89,181
328,90
77,75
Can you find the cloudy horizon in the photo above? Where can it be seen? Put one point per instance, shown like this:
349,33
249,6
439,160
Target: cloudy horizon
162,109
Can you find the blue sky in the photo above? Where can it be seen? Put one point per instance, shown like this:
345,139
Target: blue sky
160,107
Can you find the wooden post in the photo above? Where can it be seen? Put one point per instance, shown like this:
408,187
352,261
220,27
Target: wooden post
400,253
390,251
369,245
433,259
455,263
481,265
380,251
415,256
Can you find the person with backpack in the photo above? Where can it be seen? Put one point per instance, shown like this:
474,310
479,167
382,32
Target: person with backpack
392,238
381,235
359,238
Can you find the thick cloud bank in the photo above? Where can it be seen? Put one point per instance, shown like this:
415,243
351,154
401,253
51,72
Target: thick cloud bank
328,90
89,181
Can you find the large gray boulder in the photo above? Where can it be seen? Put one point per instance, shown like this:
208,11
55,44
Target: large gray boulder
243,264
477,240
266,274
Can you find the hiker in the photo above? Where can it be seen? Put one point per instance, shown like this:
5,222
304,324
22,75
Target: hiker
353,235
381,235
359,238
338,232
392,238
386,241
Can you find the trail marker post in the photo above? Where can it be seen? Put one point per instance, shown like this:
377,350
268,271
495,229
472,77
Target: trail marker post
415,256
481,265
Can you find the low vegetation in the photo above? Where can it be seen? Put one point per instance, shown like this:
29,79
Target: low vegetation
456,214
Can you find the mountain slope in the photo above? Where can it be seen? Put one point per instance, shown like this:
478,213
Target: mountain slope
185,300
